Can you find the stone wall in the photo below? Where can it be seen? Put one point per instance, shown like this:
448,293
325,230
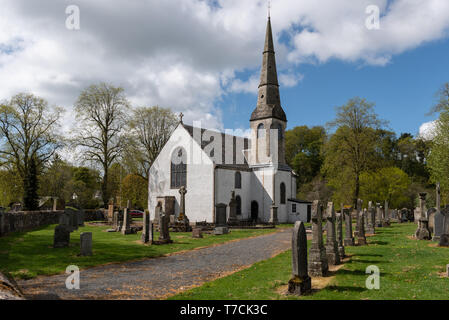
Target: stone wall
26,220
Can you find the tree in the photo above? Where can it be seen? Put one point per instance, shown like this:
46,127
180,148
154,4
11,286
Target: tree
28,137
135,189
303,151
11,187
56,178
443,100
389,183
150,129
351,150
101,111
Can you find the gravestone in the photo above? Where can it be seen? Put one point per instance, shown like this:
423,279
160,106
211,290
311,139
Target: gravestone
115,221
273,215
164,233
126,227
86,243
371,216
386,221
365,215
333,258
197,233
300,283
439,217
65,220
341,248
357,215
81,217
423,232
318,266
378,216
146,227
220,215
233,209
444,237
182,205
110,212
349,239
447,270
218,231
61,237
431,217
361,238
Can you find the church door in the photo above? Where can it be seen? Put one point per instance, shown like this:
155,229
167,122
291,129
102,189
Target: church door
254,210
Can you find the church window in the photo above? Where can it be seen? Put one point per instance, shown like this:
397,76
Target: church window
260,131
283,193
178,169
294,207
239,205
238,180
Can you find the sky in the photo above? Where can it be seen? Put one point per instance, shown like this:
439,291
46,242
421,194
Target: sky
203,57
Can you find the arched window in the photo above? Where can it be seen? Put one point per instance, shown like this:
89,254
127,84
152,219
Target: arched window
239,205
260,131
178,169
238,180
278,127
283,200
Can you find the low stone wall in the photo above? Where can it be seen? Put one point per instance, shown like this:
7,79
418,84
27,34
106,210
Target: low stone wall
95,215
26,220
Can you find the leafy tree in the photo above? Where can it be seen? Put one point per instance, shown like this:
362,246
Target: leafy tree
11,187
149,131
28,138
101,111
303,151
385,184
351,150
55,179
135,189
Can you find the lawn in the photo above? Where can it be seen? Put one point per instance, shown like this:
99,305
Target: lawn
29,254
410,269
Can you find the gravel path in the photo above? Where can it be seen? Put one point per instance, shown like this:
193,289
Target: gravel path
161,277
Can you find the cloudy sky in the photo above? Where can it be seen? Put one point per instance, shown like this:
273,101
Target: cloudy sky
202,57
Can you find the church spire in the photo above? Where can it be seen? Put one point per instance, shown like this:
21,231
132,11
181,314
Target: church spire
269,102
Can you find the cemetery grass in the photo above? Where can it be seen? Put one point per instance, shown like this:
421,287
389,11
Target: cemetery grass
410,269
26,255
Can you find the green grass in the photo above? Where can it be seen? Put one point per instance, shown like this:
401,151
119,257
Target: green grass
29,254
409,270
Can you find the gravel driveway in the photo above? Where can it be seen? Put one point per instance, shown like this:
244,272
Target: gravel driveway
161,277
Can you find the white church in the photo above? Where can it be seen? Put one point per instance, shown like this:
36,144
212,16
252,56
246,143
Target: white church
213,166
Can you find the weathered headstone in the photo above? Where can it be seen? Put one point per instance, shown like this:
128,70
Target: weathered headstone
61,237
444,237
430,215
273,214
361,238
386,221
333,258
378,216
220,215
110,212
371,216
423,232
349,238
318,266
341,248
182,205
197,233
300,283
126,227
115,221
86,243
439,217
146,227
357,214
233,209
164,233
81,217
218,231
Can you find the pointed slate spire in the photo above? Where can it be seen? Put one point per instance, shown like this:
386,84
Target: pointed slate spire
269,102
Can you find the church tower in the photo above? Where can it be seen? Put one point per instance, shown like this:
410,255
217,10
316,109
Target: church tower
267,147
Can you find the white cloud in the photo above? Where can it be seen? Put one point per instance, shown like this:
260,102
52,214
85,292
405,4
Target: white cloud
427,130
185,54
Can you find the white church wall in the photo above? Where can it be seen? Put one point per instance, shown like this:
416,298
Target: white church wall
261,191
300,214
283,209
199,197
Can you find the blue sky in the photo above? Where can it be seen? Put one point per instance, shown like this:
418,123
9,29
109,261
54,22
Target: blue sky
403,90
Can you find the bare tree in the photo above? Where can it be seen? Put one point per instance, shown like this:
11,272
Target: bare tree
28,136
150,129
101,112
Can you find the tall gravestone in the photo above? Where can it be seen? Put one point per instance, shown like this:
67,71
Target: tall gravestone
146,227
423,232
333,257
221,226
273,214
439,217
182,205
386,221
318,266
233,209
164,232
379,218
370,229
361,238
444,237
341,248
86,243
126,227
61,237
357,214
300,283
349,238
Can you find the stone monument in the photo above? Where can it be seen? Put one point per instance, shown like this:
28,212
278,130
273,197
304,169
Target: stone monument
300,283
371,216
164,233
86,243
233,210
361,238
61,237
341,248
439,217
318,266
349,238
423,232
333,258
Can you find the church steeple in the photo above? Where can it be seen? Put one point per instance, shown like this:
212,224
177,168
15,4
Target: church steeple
269,102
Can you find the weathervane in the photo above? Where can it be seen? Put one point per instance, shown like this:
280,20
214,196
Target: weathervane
269,8
181,115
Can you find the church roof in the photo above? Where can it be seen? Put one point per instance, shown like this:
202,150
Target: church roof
238,148
269,102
